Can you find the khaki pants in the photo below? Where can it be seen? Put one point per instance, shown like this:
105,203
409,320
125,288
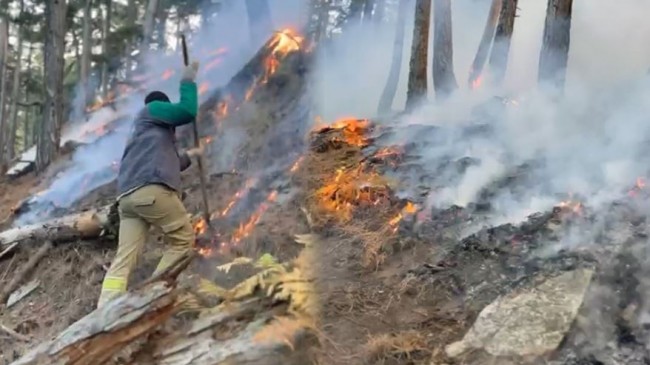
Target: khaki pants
149,205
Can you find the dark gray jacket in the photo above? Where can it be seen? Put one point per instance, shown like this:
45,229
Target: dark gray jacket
151,156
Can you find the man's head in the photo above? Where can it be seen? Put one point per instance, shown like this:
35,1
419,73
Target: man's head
156,96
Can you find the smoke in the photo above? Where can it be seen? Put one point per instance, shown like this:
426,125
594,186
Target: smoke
222,48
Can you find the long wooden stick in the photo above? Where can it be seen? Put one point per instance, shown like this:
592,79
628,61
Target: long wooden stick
197,142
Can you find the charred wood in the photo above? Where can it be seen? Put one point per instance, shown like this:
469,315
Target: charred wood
444,79
502,40
90,224
486,42
417,82
554,56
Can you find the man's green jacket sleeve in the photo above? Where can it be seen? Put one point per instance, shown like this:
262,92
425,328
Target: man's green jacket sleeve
180,113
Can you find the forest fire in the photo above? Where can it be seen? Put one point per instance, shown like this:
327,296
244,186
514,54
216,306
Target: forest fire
409,209
204,87
351,188
353,131
639,185
245,229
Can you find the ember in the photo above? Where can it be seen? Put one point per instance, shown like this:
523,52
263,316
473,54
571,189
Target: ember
409,209
200,227
353,130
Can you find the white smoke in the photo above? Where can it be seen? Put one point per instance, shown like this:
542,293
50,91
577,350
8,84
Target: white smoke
93,164
590,141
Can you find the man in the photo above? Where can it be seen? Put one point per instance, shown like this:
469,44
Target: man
149,184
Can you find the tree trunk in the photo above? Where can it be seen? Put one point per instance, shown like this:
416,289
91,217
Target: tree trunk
161,27
368,6
86,53
15,94
417,84
355,14
147,26
107,32
4,55
380,10
100,335
131,16
484,47
502,40
388,95
50,134
444,79
323,19
88,224
259,20
28,111
554,56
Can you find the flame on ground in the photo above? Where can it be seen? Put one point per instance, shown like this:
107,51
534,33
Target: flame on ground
352,188
477,83
409,209
245,229
353,130
639,185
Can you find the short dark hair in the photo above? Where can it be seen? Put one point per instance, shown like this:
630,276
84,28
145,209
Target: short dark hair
156,96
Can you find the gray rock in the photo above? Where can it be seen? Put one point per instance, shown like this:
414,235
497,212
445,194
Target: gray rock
528,322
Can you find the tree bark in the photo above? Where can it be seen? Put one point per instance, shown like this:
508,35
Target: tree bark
131,16
390,89
444,79
4,54
15,93
50,134
86,225
148,26
259,20
417,84
554,56
484,47
99,336
86,53
28,112
502,40
161,27
107,32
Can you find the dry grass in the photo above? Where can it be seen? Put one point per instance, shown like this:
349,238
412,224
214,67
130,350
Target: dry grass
400,345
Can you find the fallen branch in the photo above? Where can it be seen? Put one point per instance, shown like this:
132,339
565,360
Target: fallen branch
14,334
100,335
24,271
8,249
88,224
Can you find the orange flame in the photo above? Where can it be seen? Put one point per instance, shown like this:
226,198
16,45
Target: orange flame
200,227
296,165
408,209
354,130
245,229
204,87
477,82
639,185
167,74
572,206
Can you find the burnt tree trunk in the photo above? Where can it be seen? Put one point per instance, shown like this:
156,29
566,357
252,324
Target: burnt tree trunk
368,7
484,47
388,95
147,26
50,133
502,40
161,27
554,56
417,83
15,93
86,53
355,14
105,62
131,16
27,142
259,20
4,50
444,79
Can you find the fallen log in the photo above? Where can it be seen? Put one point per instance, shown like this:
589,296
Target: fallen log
89,224
100,335
23,272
